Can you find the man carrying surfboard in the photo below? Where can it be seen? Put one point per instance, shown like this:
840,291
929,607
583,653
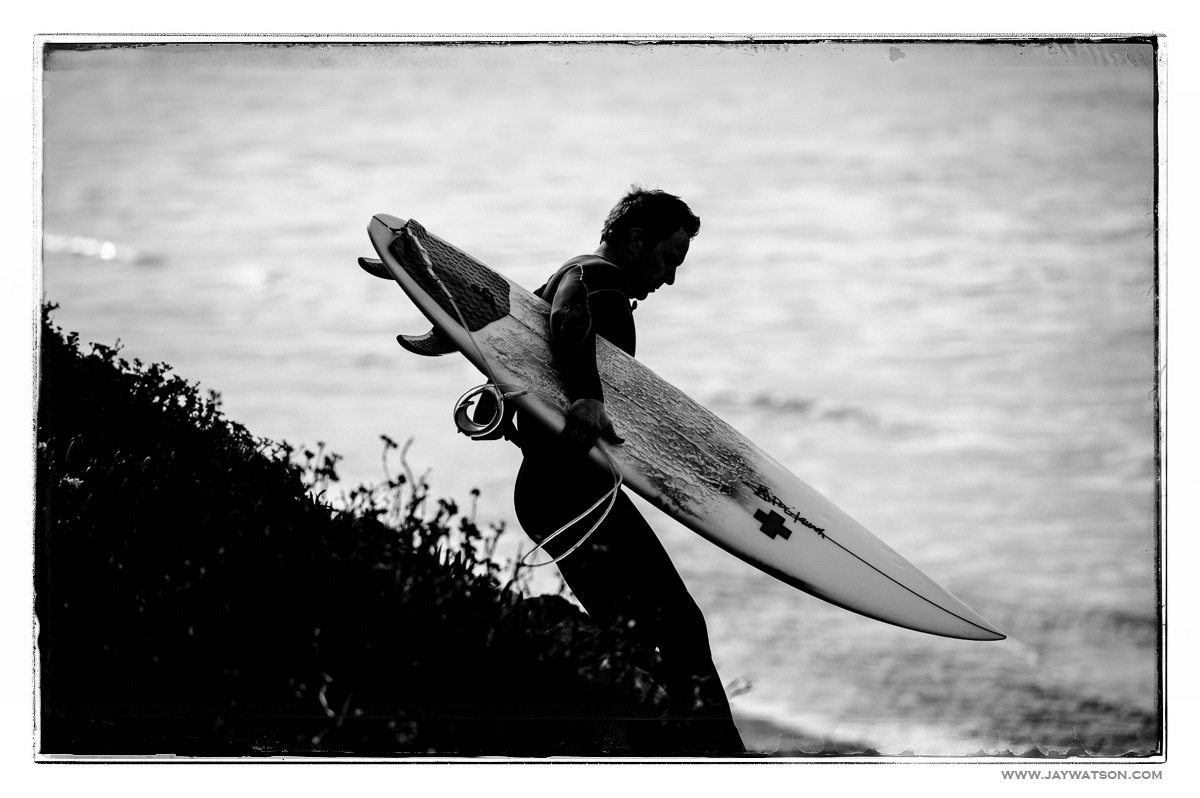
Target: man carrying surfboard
621,574
678,456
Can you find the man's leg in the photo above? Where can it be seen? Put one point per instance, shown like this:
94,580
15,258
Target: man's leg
622,574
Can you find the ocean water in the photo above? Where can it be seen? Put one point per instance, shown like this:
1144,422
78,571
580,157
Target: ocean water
925,282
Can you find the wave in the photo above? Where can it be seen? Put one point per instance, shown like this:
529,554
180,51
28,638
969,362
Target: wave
1138,629
820,411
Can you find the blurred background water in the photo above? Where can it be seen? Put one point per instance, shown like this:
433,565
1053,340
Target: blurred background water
925,282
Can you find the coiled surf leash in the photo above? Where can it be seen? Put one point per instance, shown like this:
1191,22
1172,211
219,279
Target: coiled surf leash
476,430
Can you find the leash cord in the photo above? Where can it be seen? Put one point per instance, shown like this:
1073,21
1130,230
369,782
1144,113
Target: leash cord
474,430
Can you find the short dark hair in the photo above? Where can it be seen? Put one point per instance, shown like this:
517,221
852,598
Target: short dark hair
656,212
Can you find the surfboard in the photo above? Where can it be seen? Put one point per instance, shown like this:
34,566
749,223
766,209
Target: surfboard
677,455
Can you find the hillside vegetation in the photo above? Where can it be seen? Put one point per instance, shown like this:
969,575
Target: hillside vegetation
197,593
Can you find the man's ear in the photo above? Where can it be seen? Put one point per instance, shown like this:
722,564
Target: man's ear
635,241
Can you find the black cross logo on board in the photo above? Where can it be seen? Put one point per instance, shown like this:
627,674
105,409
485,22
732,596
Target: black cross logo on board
772,524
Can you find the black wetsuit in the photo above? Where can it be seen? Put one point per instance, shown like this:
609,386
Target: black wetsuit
621,574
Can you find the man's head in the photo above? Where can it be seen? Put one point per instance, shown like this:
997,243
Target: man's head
648,233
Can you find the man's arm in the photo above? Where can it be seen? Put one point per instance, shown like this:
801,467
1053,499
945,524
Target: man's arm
573,345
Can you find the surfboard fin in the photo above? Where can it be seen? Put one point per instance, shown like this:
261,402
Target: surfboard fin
431,344
375,268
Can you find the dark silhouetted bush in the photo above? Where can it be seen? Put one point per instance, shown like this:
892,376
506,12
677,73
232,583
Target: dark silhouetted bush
196,594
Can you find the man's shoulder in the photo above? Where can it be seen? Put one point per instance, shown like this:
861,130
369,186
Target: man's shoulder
595,272
592,271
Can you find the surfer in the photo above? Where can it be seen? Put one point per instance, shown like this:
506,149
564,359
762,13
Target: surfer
622,575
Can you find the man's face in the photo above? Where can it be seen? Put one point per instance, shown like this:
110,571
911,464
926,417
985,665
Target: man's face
655,267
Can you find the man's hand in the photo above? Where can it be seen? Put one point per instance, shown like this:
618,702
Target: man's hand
587,421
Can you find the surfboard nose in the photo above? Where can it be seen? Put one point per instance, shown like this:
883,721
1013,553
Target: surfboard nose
959,621
983,630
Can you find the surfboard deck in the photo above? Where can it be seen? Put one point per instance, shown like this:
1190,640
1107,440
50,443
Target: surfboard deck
677,455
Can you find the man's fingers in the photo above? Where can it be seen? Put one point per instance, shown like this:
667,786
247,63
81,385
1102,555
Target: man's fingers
578,434
586,422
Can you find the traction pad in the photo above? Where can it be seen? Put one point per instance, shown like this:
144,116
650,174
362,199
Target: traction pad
480,294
